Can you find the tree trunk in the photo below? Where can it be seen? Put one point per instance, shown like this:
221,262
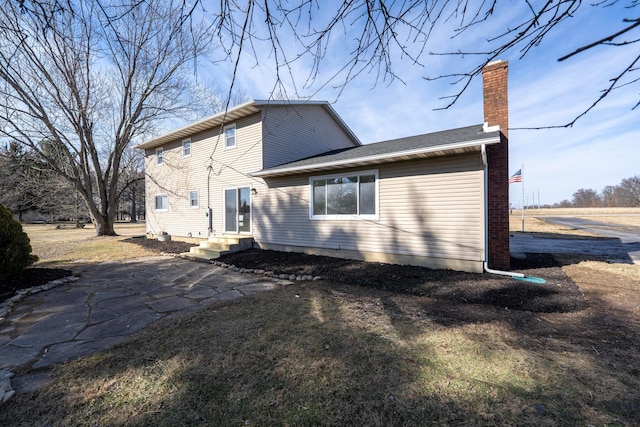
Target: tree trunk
104,226
134,213
103,222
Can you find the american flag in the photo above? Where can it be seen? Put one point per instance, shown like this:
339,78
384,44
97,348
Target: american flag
516,177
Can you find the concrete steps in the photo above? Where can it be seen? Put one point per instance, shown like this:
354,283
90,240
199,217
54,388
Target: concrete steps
215,246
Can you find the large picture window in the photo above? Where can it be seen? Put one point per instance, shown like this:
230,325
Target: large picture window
341,196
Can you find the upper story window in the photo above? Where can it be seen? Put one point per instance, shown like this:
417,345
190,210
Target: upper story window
186,148
343,196
159,156
230,136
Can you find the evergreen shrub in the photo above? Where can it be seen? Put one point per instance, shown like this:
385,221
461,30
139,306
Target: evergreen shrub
15,247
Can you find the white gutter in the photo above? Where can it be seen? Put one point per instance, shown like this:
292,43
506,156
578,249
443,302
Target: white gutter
236,112
377,157
486,221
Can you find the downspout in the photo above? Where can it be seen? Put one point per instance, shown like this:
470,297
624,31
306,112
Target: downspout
209,211
514,275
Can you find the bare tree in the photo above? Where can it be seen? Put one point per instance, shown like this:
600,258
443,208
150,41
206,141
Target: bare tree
586,198
377,33
563,204
132,184
28,186
608,195
630,191
16,181
91,77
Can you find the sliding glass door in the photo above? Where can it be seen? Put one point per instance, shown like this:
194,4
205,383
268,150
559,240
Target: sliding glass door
237,210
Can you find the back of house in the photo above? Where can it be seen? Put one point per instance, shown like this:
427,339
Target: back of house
293,177
198,179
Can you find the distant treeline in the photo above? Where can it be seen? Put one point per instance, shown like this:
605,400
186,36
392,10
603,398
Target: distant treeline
625,194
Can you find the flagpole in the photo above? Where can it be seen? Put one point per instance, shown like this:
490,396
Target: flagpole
522,175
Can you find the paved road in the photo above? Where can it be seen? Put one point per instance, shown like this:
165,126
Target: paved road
626,234
109,302
623,244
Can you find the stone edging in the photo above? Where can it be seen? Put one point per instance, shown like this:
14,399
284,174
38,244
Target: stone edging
7,306
268,273
6,392
259,272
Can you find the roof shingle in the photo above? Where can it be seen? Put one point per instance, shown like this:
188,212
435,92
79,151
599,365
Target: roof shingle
451,141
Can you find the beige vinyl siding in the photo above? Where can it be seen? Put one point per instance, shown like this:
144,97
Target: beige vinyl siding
297,132
178,175
427,208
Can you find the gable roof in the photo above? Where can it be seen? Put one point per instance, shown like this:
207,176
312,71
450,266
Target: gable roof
235,113
453,141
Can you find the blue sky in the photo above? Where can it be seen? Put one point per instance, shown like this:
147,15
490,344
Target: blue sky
601,149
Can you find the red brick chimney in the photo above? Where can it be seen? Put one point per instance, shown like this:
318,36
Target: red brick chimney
496,112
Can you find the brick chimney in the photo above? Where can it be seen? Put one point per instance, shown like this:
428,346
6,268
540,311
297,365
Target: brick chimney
496,112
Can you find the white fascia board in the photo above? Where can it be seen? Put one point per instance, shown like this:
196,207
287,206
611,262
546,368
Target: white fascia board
377,157
218,118
191,128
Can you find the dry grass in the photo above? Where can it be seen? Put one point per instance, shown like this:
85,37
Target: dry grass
543,228
615,285
338,355
627,220
579,212
63,246
534,219
327,354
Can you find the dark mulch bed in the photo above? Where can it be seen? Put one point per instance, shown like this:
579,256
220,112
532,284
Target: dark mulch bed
170,247
559,294
33,276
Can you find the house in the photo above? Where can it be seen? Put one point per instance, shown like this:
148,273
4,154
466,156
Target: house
292,176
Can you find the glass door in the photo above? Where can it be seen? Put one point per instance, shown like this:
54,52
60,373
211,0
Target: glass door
237,210
231,211
244,210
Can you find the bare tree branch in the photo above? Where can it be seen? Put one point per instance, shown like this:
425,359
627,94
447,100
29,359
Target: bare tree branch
303,34
605,40
90,78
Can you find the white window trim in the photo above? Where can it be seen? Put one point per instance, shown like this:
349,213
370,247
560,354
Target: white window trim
159,157
235,136
197,199
155,196
186,141
351,217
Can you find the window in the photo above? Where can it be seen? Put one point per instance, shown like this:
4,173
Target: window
193,199
161,202
230,136
159,156
342,196
186,148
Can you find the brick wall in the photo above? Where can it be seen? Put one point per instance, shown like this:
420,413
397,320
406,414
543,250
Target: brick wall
496,112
